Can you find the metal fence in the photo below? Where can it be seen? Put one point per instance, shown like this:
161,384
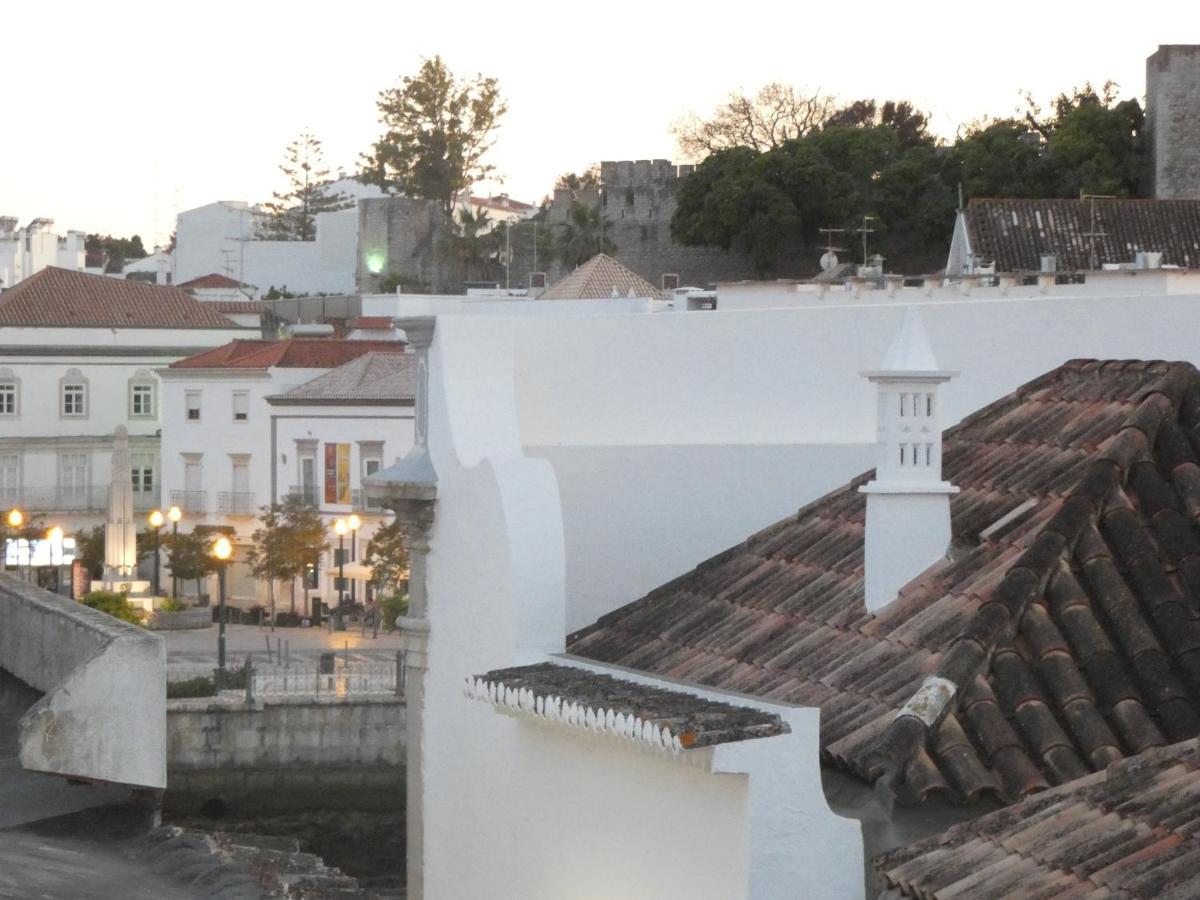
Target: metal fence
327,675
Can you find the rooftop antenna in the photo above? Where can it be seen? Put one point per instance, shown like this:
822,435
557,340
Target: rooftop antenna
829,258
864,230
227,252
1091,234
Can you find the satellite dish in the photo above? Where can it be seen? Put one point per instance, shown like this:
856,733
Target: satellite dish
829,261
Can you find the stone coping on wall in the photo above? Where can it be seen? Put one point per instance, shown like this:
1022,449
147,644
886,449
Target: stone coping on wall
236,701
672,720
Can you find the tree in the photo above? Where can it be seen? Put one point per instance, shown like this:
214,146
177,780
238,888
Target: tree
267,554
776,114
291,537
89,550
580,184
291,215
387,558
437,130
582,237
189,557
472,243
111,253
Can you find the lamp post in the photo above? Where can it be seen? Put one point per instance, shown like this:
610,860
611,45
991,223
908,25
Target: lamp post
353,522
55,537
156,522
340,528
222,549
174,514
15,520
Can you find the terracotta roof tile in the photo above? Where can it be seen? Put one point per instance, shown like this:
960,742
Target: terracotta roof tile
596,279
372,377
1016,233
213,280
236,306
1072,631
1129,830
371,322
60,298
294,353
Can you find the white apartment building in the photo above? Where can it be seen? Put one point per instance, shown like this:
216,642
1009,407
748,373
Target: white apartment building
78,355
26,251
248,423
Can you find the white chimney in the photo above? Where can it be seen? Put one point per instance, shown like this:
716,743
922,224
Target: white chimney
908,504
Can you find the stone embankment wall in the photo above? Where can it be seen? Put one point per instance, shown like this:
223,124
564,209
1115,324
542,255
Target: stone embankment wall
287,753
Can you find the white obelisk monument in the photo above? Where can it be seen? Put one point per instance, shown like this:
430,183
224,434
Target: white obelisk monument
120,532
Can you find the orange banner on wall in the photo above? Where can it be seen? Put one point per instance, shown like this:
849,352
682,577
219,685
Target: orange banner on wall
337,474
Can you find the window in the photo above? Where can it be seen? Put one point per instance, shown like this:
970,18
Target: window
72,477
193,406
371,454
241,406
10,479
141,394
74,398
10,393
143,473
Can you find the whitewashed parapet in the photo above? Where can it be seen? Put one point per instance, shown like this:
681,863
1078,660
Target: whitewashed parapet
664,719
103,714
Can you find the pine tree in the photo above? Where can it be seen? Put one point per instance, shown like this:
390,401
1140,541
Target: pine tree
292,215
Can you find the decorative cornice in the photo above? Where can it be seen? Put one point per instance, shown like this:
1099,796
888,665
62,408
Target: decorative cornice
576,715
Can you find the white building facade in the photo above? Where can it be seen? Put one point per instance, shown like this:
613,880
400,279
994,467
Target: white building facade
64,388
26,251
241,434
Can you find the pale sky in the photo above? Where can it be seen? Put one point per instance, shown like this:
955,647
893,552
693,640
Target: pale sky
118,115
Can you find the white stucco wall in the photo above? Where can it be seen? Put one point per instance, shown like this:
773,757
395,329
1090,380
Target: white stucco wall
540,813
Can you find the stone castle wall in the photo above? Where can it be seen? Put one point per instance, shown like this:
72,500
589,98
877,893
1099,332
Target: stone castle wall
638,199
1173,121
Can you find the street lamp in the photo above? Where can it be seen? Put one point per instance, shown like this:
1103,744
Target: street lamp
156,522
221,550
16,519
340,528
174,514
353,522
55,537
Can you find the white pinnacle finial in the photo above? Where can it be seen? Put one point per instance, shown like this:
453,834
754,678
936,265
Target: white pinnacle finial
910,350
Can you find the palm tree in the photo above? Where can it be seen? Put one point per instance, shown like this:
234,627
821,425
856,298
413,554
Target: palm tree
582,236
471,242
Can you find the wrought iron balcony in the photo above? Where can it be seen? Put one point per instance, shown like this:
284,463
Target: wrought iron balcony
190,501
234,503
361,501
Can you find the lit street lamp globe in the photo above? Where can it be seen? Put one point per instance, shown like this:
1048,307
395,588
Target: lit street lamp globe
156,519
222,549
16,518
174,514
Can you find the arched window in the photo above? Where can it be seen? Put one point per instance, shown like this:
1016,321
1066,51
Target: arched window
73,395
143,399
10,394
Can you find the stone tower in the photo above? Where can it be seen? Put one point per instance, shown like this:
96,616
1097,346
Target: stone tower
908,503
1173,121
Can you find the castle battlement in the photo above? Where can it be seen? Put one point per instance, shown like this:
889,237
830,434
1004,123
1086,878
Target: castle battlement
638,173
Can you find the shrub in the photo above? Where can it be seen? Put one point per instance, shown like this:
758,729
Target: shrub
288,619
206,685
114,604
392,606
170,604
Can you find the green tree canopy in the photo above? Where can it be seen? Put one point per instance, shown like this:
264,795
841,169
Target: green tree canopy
583,235
292,214
387,558
112,252
437,131
778,113
472,244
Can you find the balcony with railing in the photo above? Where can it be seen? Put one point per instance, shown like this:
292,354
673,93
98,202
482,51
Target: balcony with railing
236,503
190,501
57,499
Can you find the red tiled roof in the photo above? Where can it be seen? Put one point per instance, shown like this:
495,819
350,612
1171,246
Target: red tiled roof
213,280
1017,233
367,323
235,306
60,298
596,280
1128,831
294,353
1072,633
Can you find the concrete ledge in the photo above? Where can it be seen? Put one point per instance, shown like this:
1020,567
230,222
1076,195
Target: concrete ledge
179,621
293,788
103,713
